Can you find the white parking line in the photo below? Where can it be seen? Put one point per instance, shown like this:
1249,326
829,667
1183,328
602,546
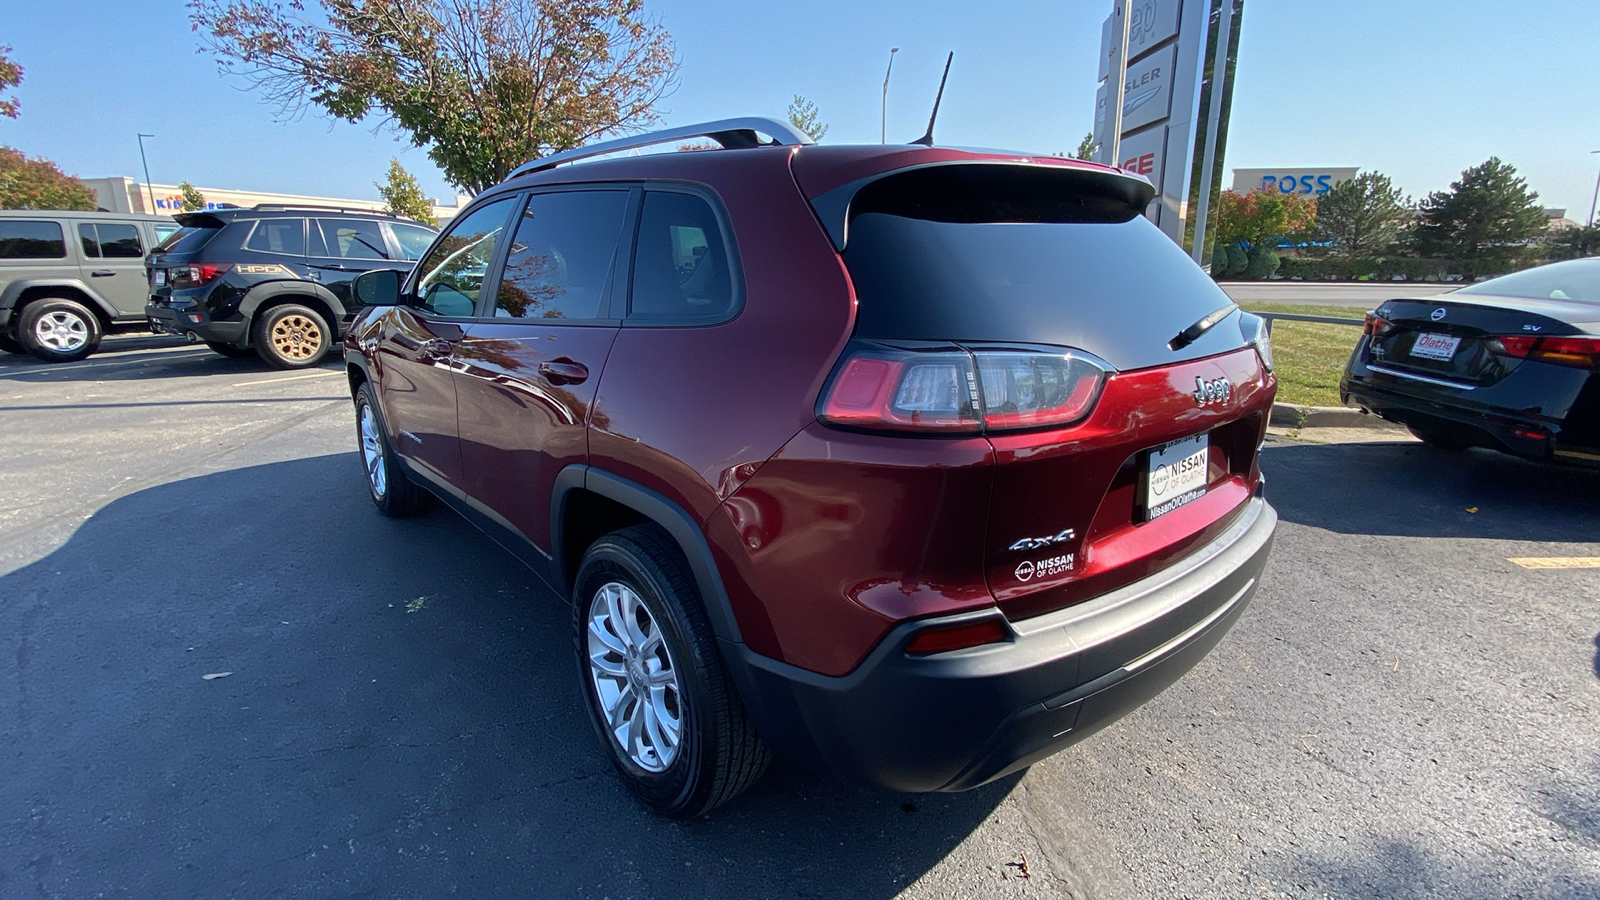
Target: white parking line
1556,562
285,378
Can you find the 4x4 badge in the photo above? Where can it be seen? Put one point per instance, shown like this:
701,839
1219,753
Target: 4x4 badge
1217,390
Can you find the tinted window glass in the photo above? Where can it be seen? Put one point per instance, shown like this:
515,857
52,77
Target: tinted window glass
165,231
450,278
279,236
680,267
86,236
119,241
561,255
186,239
352,238
1026,256
1577,279
413,241
32,240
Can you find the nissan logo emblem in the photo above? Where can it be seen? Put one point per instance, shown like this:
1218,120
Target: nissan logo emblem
1437,314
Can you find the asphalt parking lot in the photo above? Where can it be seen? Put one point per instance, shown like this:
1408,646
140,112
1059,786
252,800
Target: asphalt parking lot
1402,712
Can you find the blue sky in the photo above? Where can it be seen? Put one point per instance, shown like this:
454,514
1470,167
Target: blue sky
1417,90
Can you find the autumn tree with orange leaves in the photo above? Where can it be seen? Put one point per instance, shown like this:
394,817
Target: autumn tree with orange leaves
483,85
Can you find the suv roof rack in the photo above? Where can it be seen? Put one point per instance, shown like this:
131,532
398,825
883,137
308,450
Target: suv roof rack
730,133
286,207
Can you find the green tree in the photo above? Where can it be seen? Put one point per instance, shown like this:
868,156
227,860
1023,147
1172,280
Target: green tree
1085,147
193,200
402,195
10,77
484,85
1483,223
39,184
1250,225
1573,243
1362,216
803,115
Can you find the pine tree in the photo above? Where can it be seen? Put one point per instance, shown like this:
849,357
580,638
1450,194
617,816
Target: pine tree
1362,216
803,115
1483,223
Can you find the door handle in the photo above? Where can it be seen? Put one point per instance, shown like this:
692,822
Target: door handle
102,273
564,371
438,348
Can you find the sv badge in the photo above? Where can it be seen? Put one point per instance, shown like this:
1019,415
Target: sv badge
1217,390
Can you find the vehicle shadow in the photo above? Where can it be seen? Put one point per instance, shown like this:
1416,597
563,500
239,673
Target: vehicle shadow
1351,489
249,682
145,361
1398,870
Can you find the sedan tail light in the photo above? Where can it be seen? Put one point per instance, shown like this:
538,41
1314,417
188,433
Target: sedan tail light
957,390
1376,325
1582,352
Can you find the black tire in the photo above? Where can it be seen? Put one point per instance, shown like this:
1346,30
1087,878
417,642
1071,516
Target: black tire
59,330
718,754
1438,441
291,336
394,493
231,351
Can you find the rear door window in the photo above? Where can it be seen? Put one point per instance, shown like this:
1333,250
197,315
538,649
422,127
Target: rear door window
111,240
681,266
450,279
25,239
286,236
351,239
560,259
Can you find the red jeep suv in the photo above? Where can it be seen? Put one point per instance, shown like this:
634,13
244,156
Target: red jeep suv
914,464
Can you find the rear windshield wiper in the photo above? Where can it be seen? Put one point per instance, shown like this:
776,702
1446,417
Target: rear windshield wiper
1192,333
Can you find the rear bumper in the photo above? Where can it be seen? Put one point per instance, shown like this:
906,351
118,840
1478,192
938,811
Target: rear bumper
182,318
953,721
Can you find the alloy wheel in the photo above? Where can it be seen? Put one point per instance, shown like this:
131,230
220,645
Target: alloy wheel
634,678
372,452
61,331
296,337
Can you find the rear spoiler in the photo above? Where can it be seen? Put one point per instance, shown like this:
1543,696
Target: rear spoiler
1040,193
199,220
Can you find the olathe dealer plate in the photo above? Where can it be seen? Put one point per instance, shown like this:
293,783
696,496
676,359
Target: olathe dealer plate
1176,474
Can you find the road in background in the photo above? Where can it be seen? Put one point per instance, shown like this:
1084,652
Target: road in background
1300,293
1401,713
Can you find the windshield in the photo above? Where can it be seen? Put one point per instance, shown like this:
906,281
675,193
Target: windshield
1577,279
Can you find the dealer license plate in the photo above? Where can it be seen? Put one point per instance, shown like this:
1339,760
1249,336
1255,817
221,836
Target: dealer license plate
158,277
1441,347
1176,474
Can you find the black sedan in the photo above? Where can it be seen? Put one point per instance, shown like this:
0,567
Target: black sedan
1512,363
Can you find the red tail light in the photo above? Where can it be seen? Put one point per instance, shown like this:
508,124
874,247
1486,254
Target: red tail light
1376,325
205,273
1583,352
958,637
961,391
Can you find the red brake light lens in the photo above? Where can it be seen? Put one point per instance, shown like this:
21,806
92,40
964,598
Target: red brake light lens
1376,325
1583,352
958,637
960,391
205,273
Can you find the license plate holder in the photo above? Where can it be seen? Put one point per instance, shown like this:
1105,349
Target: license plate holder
1435,346
1175,474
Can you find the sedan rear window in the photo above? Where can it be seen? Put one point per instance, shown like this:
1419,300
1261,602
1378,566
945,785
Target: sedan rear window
1576,279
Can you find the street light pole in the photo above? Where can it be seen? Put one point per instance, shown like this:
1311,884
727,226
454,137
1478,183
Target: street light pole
883,127
1596,194
150,190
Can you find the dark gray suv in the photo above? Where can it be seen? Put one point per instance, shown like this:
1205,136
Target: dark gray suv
67,278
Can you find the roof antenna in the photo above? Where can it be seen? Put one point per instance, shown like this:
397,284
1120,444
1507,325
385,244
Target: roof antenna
927,139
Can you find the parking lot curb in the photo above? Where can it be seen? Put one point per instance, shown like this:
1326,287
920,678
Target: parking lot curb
1288,415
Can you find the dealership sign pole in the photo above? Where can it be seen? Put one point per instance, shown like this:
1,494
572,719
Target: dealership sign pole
1157,130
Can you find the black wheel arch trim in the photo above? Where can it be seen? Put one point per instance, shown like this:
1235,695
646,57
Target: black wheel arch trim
273,290
8,298
678,524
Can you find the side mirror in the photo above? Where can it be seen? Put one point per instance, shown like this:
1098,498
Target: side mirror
379,287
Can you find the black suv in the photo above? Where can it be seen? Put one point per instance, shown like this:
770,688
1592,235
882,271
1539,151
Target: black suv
272,280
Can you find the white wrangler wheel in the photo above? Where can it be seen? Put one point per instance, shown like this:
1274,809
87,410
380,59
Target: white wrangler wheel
61,331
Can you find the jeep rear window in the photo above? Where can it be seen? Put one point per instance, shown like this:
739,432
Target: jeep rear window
1016,254
31,240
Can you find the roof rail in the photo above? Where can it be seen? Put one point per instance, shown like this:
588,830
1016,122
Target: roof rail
730,133
275,207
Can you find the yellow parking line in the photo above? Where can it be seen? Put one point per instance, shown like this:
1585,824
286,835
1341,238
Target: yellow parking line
286,378
1557,562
